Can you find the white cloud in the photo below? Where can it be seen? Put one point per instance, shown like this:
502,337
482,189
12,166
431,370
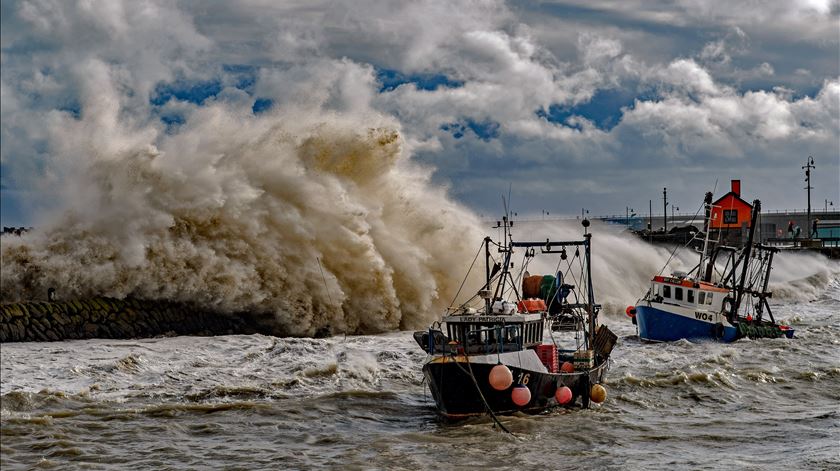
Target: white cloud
686,64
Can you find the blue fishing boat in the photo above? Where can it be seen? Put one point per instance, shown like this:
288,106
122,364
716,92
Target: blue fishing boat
723,298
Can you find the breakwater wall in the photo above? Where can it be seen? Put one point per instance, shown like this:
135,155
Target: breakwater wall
40,321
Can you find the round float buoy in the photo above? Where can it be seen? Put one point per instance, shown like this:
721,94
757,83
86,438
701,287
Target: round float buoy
598,393
630,311
521,395
567,367
563,395
500,377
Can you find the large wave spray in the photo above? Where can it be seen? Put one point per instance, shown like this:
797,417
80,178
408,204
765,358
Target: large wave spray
320,220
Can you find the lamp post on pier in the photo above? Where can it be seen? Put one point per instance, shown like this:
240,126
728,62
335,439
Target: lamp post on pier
809,164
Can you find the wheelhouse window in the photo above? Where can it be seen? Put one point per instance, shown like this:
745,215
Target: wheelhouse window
678,295
709,298
690,295
666,291
730,216
702,298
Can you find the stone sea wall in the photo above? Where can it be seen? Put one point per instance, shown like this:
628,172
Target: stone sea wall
38,321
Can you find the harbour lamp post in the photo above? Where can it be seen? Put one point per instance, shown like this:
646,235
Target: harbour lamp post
673,220
827,204
809,164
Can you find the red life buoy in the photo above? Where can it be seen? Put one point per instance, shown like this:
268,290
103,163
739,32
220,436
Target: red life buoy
630,311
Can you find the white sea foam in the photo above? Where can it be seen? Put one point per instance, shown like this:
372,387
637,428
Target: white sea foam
320,220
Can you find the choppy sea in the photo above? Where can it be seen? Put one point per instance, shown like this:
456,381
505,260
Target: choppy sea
359,402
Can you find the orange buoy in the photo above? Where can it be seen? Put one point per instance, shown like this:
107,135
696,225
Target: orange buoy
521,395
500,377
598,393
567,367
563,395
630,311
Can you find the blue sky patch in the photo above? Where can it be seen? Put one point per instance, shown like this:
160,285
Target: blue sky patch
261,105
484,130
173,122
391,79
183,90
604,109
244,76
73,108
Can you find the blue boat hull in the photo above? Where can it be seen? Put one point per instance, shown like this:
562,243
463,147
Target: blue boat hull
663,326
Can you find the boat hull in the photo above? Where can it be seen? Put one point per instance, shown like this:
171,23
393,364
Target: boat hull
461,388
661,325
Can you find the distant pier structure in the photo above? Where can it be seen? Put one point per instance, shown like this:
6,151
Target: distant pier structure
795,229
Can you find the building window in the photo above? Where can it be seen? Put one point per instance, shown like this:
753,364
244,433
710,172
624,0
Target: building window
702,298
666,291
678,294
730,216
690,294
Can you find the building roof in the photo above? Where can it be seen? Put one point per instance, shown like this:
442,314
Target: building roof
734,195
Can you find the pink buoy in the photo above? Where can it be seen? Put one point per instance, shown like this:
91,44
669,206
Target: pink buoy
567,367
500,377
563,395
521,395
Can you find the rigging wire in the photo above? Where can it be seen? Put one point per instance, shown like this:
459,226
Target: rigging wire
465,277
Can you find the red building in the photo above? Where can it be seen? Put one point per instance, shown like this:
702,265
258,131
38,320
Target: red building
731,216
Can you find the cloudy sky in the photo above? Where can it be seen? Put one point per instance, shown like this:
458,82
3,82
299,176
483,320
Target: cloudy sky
597,104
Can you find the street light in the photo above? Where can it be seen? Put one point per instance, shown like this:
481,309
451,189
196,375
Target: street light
672,214
827,204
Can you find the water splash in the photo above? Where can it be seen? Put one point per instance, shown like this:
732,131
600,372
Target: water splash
236,214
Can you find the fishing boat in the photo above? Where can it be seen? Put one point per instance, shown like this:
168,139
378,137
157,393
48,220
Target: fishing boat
713,302
491,354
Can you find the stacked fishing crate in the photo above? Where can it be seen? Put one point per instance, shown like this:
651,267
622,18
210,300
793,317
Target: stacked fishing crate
548,357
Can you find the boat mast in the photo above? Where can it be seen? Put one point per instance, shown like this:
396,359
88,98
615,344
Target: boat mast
701,269
745,259
591,295
763,296
487,274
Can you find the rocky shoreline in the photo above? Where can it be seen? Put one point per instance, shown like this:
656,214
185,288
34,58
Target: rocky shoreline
40,321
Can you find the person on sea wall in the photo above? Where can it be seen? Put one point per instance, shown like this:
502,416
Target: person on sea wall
790,229
814,228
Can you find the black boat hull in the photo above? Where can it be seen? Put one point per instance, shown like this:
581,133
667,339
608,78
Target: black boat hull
461,389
